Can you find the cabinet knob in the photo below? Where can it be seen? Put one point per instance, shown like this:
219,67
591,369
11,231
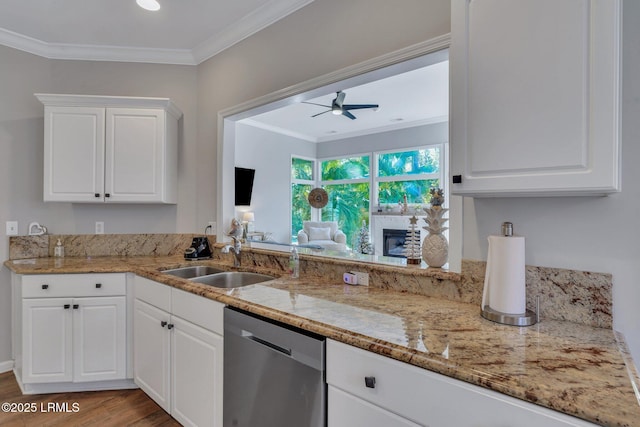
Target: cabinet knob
98,285
96,195
170,326
67,306
163,323
76,306
107,195
45,286
456,179
370,382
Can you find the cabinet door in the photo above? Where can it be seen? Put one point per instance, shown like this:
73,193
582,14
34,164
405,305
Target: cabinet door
47,340
151,352
346,410
73,154
99,338
535,97
196,366
135,155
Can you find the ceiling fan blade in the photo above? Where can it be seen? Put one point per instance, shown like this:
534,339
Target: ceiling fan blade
324,112
359,106
339,98
348,114
313,103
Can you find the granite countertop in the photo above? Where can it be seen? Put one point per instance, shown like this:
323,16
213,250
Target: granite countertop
576,369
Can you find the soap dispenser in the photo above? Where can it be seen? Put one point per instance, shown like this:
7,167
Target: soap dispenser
58,251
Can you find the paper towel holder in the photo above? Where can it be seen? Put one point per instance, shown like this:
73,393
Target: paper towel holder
527,318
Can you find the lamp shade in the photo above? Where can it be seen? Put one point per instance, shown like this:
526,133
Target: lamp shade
248,217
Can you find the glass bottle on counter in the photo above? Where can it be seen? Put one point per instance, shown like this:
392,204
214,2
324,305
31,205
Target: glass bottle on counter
294,263
58,250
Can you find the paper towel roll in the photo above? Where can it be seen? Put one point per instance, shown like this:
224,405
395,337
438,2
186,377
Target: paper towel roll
504,281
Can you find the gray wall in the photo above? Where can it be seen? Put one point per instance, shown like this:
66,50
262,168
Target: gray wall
21,151
269,153
402,138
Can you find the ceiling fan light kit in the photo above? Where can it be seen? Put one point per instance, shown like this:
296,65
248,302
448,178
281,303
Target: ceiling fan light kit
338,107
151,5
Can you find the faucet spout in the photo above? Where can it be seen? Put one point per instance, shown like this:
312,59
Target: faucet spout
236,249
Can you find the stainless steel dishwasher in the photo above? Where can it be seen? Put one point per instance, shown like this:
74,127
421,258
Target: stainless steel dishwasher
274,374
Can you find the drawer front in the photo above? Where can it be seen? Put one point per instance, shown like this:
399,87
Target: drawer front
431,399
346,410
154,293
198,310
73,285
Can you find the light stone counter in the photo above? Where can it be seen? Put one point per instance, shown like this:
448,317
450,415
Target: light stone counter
577,369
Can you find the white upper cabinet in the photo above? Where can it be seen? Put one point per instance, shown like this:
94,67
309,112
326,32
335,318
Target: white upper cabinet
535,97
110,149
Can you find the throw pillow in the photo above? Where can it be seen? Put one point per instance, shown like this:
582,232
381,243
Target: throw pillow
319,233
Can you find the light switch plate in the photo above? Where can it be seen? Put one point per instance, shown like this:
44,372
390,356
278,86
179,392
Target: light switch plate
12,228
99,227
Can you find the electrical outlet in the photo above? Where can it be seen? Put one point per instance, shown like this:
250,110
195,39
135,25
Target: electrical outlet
363,278
213,230
12,228
99,227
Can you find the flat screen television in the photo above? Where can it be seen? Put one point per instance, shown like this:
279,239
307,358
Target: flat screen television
244,186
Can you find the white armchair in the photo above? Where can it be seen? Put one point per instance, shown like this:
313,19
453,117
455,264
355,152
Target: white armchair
322,233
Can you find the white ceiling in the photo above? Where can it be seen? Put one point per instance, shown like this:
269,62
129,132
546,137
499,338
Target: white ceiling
181,32
407,99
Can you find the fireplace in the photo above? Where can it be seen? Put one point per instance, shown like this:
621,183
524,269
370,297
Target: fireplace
393,242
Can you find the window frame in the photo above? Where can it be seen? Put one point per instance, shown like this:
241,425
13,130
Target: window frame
440,175
373,180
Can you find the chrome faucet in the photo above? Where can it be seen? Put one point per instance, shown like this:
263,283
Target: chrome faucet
235,249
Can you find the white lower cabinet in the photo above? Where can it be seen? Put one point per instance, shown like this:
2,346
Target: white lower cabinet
178,349
347,410
366,389
69,329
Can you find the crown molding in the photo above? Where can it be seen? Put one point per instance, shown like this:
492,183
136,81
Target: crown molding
259,19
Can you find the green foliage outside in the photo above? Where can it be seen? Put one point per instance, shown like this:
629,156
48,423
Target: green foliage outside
302,169
300,208
349,204
351,168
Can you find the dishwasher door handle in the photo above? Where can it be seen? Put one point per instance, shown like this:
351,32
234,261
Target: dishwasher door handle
248,335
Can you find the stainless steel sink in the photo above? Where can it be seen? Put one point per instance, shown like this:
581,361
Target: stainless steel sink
193,271
232,279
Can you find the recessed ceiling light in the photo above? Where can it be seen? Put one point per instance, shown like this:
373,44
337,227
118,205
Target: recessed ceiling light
152,5
397,119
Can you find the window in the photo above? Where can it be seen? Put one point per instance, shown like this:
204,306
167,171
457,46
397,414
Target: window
351,183
408,173
302,182
347,181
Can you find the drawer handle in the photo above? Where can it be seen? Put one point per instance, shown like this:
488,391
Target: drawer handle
456,179
76,306
107,195
163,324
67,306
170,326
98,285
45,286
370,382
96,195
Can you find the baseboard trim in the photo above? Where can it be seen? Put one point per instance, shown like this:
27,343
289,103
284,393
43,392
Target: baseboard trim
6,366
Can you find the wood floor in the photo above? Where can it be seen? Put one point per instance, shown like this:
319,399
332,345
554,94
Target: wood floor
96,408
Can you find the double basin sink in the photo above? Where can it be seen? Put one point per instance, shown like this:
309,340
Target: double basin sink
212,276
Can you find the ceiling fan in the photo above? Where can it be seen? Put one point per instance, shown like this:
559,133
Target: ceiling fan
338,108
